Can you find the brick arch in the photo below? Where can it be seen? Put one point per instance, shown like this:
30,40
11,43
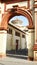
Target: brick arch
13,12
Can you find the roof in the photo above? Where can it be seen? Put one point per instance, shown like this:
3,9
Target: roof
12,25
16,21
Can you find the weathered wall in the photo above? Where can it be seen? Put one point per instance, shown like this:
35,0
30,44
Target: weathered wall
30,39
9,42
23,45
3,41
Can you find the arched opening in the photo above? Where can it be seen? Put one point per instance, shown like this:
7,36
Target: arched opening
24,20
16,12
20,22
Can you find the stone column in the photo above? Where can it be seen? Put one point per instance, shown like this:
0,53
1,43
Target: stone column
3,40
30,43
20,40
3,33
32,10
13,40
35,45
36,27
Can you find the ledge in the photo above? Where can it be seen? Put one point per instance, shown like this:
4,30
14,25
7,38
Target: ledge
35,47
3,28
30,27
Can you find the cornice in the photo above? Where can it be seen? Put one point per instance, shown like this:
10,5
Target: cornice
12,1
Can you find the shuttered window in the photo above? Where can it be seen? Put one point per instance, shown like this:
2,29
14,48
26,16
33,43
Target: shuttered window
9,31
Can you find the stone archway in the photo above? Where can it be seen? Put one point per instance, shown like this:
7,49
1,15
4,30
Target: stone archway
17,11
13,12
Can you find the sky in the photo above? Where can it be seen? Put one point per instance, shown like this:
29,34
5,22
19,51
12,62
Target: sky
24,19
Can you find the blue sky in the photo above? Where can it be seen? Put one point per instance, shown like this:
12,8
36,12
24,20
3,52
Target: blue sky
24,19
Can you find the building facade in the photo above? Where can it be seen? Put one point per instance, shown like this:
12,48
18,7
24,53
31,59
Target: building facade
15,38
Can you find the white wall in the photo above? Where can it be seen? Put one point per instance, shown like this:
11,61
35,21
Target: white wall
23,43
30,38
3,40
9,42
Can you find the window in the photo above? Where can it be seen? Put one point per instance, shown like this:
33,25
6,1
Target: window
17,33
9,31
23,36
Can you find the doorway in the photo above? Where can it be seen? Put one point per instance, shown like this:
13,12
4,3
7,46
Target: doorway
17,41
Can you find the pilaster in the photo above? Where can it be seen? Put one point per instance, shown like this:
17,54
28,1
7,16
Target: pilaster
13,40
30,43
3,40
20,40
3,33
35,45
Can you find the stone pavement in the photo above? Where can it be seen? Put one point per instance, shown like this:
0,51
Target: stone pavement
16,61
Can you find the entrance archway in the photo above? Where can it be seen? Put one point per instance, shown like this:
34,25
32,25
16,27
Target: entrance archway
13,12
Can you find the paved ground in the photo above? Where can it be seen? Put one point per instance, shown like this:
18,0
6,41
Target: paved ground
16,61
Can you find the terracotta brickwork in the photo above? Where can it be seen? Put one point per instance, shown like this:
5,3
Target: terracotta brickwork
16,11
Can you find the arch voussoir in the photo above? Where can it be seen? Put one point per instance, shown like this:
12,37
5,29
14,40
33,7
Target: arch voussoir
8,15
